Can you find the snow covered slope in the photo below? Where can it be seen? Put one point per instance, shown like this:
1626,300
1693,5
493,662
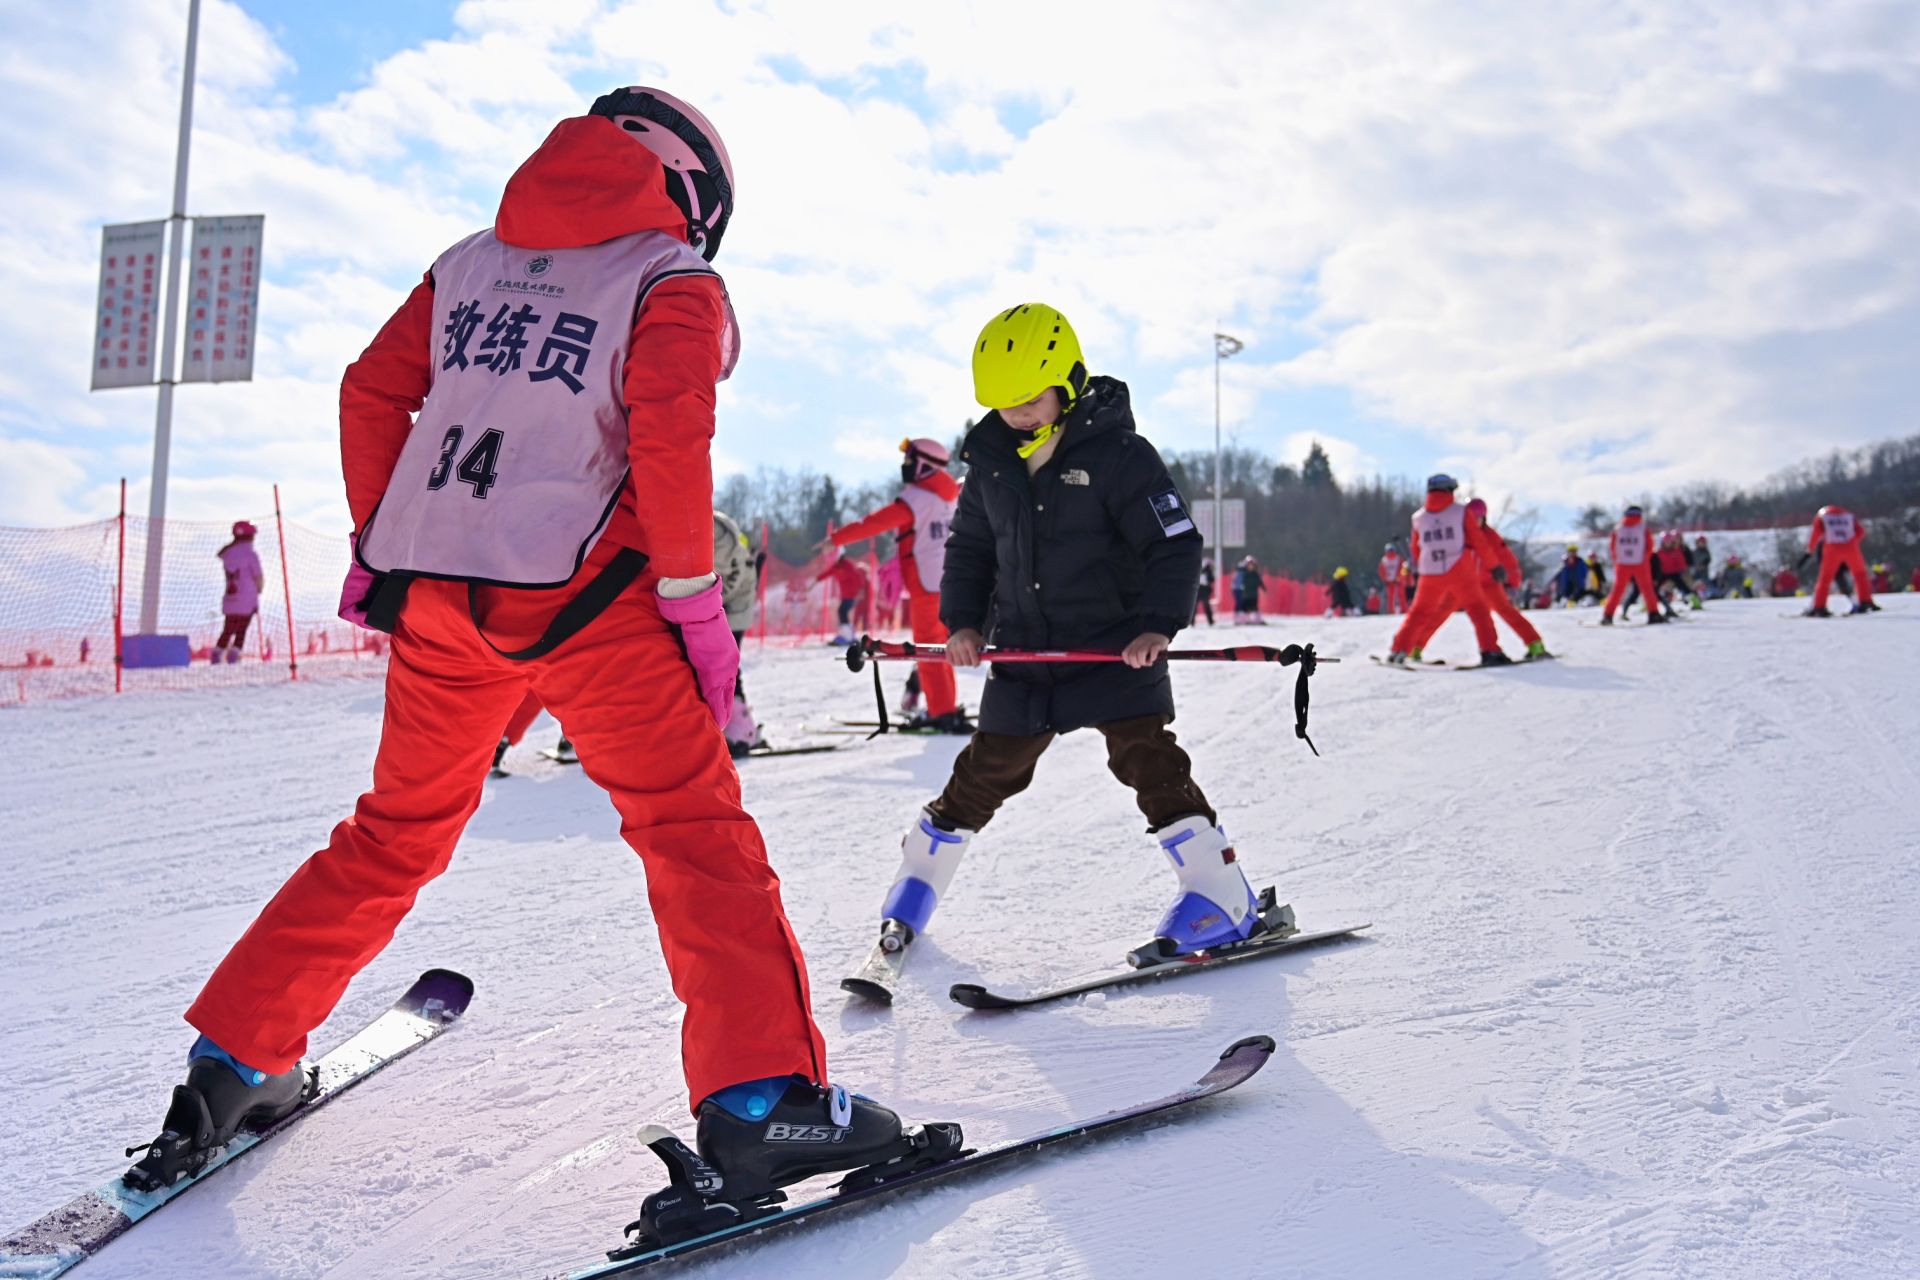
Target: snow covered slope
1642,996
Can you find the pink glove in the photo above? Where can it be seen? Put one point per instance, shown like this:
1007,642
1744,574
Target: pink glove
702,623
354,591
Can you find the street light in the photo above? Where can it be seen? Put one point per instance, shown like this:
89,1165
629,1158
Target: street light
1223,347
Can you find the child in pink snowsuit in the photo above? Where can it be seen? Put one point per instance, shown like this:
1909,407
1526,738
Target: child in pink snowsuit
242,598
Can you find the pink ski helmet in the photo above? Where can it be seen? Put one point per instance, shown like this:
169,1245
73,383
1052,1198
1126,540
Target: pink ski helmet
924,456
1477,507
244,529
689,147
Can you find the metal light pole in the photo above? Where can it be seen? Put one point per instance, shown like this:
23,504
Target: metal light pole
170,332
1223,347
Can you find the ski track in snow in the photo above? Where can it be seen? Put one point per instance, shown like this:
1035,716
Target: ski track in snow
1641,999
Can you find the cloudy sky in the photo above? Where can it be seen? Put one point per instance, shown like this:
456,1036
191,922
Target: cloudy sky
1572,251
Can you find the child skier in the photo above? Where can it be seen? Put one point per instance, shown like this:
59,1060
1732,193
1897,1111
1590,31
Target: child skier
1248,582
1632,551
1445,546
1495,575
585,575
1070,534
241,600
739,575
1340,594
919,519
855,587
1837,534
1392,570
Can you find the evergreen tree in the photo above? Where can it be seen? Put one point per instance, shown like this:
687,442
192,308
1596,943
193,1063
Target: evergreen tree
1317,471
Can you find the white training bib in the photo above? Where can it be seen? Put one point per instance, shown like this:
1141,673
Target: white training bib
519,455
1443,539
1838,528
1630,545
932,519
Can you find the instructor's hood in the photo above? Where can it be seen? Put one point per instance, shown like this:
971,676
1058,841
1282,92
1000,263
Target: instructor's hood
587,184
1439,499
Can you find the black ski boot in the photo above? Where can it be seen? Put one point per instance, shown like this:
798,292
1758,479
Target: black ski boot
741,1164
1869,607
1819,611
951,722
1494,658
499,754
1656,618
214,1104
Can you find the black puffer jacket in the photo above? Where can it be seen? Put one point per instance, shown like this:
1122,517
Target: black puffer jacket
1094,549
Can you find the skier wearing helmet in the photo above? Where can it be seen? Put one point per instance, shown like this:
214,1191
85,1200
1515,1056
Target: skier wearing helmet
241,599
545,524
919,520
1836,535
1495,577
1393,577
1448,550
1632,549
1070,535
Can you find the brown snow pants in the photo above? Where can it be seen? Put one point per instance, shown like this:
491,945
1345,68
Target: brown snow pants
1141,752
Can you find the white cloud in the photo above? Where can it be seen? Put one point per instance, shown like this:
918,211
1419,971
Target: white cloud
1579,249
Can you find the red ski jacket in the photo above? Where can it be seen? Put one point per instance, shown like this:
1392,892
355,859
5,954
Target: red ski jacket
587,183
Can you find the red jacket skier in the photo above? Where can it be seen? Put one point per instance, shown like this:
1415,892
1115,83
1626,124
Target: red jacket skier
1445,544
1632,550
585,576
1393,576
855,587
1495,577
919,519
1836,535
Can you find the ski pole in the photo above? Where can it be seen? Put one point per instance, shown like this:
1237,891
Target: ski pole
867,648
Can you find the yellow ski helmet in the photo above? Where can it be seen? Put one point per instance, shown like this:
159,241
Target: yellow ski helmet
1021,352
1341,572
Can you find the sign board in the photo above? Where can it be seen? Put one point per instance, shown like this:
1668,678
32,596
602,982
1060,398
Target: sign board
127,319
223,299
1233,516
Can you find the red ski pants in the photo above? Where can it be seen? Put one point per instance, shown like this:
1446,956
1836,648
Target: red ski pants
626,694
1440,594
1640,575
1831,558
1496,599
518,724
1396,597
936,678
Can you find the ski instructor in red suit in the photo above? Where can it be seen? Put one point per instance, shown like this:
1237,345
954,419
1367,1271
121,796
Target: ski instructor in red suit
919,519
526,453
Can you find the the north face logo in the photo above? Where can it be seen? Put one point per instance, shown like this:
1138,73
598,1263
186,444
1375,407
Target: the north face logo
805,1133
1075,477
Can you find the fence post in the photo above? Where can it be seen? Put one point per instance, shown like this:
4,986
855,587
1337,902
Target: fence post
286,589
120,588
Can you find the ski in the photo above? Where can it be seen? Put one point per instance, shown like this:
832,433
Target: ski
1436,665
877,979
973,996
761,753
1238,1064
554,754
69,1235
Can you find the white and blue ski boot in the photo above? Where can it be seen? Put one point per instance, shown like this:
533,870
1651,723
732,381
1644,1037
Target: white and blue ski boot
758,1137
221,1097
929,855
1216,907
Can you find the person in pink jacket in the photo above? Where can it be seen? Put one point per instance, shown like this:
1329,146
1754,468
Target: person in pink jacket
242,597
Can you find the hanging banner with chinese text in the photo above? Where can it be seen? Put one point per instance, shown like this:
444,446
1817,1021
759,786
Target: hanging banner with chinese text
223,298
127,320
